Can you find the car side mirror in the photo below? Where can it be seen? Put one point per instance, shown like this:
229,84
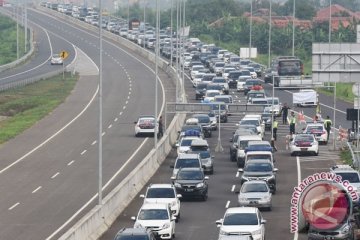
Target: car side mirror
206,177
219,222
133,218
172,166
242,170
275,170
263,221
231,140
142,195
173,218
135,122
178,195
173,178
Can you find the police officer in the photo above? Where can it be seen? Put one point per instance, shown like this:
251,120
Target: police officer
161,130
275,127
292,123
327,125
284,111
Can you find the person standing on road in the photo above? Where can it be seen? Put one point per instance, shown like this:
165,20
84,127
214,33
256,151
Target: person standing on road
292,123
327,125
284,111
161,130
275,127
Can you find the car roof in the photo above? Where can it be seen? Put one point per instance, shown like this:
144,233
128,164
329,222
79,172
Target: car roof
255,181
154,206
259,152
199,142
133,231
259,142
315,124
242,210
146,117
161,185
343,168
187,156
190,169
249,137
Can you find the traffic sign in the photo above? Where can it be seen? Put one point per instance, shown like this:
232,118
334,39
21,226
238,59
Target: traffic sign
64,54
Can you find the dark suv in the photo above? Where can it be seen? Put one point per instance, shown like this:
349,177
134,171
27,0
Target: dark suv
191,183
233,77
259,170
135,234
200,90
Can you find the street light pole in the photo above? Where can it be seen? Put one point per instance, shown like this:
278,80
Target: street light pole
269,54
128,11
251,13
171,32
144,23
293,33
25,26
157,32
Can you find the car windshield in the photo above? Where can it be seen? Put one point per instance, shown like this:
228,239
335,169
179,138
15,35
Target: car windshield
245,73
201,86
198,75
204,154
186,142
199,148
223,99
351,177
160,193
56,56
190,175
241,219
146,121
276,101
203,119
252,82
216,107
227,70
249,122
219,64
256,95
258,167
153,214
243,144
219,80
212,94
259,157
254,187
304,138
189,127
134,237
310,129
187,163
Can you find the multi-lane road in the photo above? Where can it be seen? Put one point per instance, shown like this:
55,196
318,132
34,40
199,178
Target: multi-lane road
50,172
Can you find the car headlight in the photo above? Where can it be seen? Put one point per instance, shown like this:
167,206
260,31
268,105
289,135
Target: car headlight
345,229
166,225
270,177
200,185
242,199
245,178
137,225
266,197
222,232
178,185
257,232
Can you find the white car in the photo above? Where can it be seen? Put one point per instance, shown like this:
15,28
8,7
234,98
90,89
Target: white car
304,144
158,217
226,71
210,95
255,193
195,70
145,125
197,78
163,193
318,130
185,143
186,160
242,220
253,74
56,59
276,107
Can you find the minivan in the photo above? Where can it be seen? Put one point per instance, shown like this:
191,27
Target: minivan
242,143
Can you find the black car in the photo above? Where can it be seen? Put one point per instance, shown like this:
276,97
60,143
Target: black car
266,117
268,75
135,234
200,90
203,132
250,83
191,183
233,77
259,170
205,122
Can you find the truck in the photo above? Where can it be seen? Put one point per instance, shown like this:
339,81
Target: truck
2,2
134,24
305,98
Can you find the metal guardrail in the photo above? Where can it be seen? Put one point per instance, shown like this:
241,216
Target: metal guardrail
354,155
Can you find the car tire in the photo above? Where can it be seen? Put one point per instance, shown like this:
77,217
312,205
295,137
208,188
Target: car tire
316,153
136,135
269,209
205,197
292,154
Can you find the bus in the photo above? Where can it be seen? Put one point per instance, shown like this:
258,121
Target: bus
289,72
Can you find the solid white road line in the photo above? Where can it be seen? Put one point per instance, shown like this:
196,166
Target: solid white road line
13,206
37,189
71,162
55,175
296,235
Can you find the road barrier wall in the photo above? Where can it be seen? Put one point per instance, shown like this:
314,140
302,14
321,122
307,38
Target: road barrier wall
100,218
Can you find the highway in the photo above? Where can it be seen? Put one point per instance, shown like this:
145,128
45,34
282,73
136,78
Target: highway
50,172
198,217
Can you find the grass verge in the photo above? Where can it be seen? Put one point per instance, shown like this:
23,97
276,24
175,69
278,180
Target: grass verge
345,157
343,91
21,107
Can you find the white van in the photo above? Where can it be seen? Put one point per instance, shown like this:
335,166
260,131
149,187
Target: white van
242,143
259,155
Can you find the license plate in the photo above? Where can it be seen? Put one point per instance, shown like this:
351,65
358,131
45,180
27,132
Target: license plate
303,149
189,190
253,202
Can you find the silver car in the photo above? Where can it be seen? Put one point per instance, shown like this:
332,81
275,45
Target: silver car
255,193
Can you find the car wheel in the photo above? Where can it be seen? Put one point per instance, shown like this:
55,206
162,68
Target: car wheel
269,208
316,153
292,154
212,171
205,197
136,135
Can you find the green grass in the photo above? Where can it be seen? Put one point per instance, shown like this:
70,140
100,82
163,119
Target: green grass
22,107
345,157
343,91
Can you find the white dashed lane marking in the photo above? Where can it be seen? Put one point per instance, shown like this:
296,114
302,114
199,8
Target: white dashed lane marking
70,162
93,143
83,152
55,175
227,204
14,206
37,189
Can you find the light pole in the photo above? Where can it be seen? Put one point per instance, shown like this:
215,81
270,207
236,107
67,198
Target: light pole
157,32
100,107
144,23
17,30
251,12
269,54
183,65
330,20
171,32
177,50
293,33
25,25
128,11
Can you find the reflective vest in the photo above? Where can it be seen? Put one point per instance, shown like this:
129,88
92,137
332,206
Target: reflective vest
275,124
293,120
327,124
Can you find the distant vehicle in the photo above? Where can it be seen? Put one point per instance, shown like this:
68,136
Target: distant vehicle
134,23
304,144
305,98
145,125
318,130
255,193
56,59
135,234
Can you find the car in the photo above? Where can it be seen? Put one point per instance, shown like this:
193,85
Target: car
200,90
56,59
304,144
266,118
186,160
259,170
163,193
250,83
227,99
145,125
254,119
233,140
253,154
197,78
195,70
158,217
242,144
208,77
135,234
201,147
242,220
184,143
348,173
255,94
210,95
318,130
253,74
274,105
193,124
205,122
226,71
233,78
191,183
269,74
344,231
255,193
223,82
